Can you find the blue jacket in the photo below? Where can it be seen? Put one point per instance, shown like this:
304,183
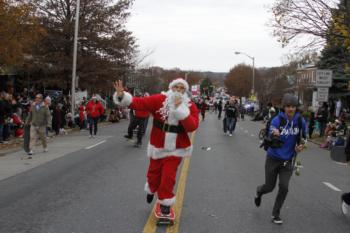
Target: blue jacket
288,134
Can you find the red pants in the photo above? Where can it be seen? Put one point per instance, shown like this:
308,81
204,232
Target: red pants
161,178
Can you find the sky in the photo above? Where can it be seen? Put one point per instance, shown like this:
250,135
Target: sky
203,35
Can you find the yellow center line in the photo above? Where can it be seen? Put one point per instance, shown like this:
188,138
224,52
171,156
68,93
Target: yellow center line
151,226
180,193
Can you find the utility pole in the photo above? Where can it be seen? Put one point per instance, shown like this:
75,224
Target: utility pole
74,70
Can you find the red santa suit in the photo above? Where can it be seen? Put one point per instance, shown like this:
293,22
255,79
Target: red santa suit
141,114
169,140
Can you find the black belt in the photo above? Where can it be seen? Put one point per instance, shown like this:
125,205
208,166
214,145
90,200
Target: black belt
168,128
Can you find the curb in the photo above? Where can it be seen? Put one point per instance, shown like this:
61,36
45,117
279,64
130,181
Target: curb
315,142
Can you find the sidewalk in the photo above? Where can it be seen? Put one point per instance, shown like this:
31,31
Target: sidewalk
16,144
10,146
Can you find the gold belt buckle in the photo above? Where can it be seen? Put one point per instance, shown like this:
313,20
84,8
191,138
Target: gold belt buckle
166,127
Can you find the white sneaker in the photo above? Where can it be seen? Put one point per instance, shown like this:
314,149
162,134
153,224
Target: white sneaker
277,220
230,134
45,150
90,136
30,152
344,208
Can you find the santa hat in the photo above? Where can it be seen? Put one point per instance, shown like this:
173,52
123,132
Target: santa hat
177,81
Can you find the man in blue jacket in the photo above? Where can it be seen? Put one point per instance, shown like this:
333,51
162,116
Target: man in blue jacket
288,127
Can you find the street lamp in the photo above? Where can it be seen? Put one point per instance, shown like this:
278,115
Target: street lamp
74,69
253,59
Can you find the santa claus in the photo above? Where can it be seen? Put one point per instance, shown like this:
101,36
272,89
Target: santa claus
174,116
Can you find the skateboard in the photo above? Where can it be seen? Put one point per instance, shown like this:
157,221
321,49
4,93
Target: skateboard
297,167
26,157
164,219
26,138
130,140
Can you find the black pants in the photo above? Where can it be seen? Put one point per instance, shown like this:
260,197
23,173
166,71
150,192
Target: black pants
203,115
274,168
322,128
220,111
140,122
6,132
311,130
145,126
93,124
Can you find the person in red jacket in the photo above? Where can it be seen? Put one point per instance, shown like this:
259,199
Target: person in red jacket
94,110
137,121
174,116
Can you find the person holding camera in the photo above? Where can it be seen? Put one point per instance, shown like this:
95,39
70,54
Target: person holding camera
287,132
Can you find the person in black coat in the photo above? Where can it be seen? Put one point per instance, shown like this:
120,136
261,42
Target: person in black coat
311,124
220,109
322,117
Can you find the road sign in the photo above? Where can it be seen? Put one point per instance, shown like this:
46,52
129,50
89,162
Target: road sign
252,97
322,94
323,78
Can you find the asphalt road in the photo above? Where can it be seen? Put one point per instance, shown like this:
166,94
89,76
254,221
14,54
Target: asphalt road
96,186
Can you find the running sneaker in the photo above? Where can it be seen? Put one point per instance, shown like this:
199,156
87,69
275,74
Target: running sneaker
257,200
344,208
277,220
127,137
150,198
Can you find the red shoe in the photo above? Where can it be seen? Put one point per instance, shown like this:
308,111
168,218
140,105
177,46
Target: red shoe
162,211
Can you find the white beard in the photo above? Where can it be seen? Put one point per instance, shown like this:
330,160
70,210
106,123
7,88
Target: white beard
167,115
169,103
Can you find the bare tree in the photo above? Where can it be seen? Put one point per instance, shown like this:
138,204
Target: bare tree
312,20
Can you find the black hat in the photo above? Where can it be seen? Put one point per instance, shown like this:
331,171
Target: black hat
290,99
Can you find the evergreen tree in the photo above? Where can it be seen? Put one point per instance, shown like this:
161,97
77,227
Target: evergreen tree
336,53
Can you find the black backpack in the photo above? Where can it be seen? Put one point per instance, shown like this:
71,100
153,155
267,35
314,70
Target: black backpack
275,142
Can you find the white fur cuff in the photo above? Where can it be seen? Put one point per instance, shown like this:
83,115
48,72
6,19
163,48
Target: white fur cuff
147,189
159,153
167,202
181,112
126,100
